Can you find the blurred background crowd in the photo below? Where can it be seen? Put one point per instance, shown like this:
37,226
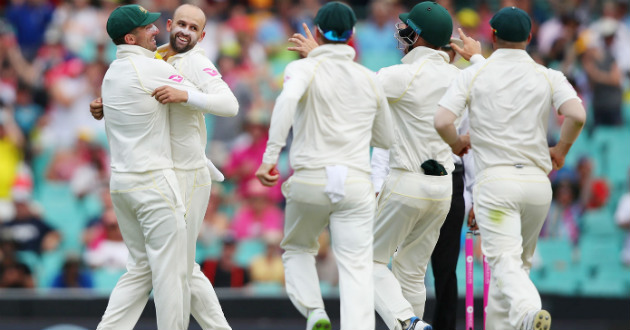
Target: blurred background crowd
57,225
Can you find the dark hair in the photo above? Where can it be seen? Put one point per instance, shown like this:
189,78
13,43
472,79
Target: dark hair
119,40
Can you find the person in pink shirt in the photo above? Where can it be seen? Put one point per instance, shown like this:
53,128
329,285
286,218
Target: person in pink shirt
257,217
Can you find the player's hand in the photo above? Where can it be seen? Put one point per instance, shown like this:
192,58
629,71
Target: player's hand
471,46
558,153
268,174
472,222
303,45
168,94
96,108
461,146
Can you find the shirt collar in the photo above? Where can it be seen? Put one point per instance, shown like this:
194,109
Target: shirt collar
123,51
196,49
511,54
422,52
334,50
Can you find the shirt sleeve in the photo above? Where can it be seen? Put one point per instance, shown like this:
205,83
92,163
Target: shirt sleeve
456,97
160,74
296,81
217,98
562,89
382,128
390,79
380,167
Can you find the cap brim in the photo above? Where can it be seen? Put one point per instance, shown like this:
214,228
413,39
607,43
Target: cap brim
403,17
151,17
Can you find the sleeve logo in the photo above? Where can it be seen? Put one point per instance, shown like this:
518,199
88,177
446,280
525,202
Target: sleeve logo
176,78
210,71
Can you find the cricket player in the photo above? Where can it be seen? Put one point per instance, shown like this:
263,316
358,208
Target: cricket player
337,109
128,107
509,97
416,195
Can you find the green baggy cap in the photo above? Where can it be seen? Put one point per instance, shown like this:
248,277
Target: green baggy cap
431,21
126,18
511,24
336,21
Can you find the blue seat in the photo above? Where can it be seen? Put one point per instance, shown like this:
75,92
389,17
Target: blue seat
246,250
105,279
557,274
600,223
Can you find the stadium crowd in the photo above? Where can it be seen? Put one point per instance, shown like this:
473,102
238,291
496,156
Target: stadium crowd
57,225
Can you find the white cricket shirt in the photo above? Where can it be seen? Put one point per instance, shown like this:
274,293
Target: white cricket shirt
510,97
188,127
337,109
136,124
413,90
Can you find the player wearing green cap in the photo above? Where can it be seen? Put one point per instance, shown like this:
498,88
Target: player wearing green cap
145,188
509,98
337,109
416,195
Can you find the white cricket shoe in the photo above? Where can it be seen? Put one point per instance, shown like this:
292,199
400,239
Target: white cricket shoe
318,320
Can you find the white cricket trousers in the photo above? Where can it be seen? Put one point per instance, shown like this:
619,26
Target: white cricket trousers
411,210
308,211
195,188
150,215
511,204
195,191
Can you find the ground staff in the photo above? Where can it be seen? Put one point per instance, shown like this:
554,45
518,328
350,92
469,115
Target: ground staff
510,97
337,109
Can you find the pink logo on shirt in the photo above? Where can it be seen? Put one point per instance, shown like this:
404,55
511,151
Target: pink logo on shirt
211,71
286,78
176,78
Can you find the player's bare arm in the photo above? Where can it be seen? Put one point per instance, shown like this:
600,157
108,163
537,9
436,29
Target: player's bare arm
96,108
168,94
471,46
444,122
303,44
268,174
574,119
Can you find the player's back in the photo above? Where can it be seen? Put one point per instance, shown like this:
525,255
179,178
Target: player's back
413,90
511,97
333,122
137,125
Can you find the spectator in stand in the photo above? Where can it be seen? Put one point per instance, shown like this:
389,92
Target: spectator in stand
224,272
111,252
622,217
604,75
564,214
73,275
594,192
258,217
375,45
94,232
30,19
247,153
268,268
66,164
11,144
215,222
13,274
28,230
